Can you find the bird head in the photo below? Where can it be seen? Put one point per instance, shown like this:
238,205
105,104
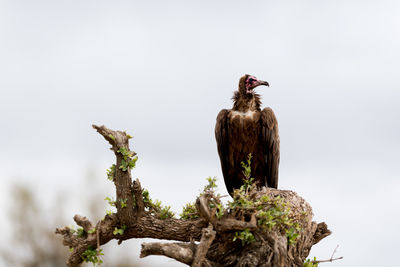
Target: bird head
248,83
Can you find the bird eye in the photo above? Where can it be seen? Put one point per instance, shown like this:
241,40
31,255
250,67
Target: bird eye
251,80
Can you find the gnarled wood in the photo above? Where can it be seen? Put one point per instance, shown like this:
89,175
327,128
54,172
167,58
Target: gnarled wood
122,179
207,237
182,252
216,247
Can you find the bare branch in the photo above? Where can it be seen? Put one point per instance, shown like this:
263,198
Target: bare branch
331,259
98,231
117,139
182,252
216,247
137,190
321,232
84,222
207,238
230,224
68,238
122,180
334,251
202,207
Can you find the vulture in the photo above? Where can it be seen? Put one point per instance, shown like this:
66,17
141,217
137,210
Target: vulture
246,129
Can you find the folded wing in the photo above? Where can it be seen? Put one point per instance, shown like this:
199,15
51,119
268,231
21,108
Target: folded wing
270,138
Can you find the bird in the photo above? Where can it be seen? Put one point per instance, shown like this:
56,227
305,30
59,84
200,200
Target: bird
246,129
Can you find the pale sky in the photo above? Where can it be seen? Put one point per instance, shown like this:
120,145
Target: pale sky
162,71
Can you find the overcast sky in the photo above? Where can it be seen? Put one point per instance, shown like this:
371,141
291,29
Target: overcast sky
162,70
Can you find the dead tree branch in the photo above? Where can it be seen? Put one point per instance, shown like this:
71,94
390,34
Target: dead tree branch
182,252
208,235
331,258
257,229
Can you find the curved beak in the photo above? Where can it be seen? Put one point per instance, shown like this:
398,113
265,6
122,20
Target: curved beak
262,83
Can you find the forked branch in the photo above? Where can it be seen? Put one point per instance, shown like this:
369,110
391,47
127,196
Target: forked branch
269,227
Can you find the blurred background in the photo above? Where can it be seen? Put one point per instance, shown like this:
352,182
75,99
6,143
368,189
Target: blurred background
162,70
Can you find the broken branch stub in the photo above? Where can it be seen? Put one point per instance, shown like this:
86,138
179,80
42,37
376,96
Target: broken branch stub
122,177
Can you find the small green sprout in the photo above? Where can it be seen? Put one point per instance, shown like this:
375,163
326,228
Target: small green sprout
311,263
189,212
211,184
110,201
292,234
72,229
124,152
112,137
111,173
80,232
165,213
119,231
92,231
247,166
126,164
128,161
219,208
123,203
146,196
155,207
128,135
245,236
92,255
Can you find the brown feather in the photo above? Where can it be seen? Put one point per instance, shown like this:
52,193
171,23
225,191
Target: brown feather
243,130
272,146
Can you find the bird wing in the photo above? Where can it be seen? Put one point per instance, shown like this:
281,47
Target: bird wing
222,138
270,138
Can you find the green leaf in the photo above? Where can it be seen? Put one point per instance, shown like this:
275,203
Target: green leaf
123,203
112,137
111,173
125,152
146,196
110,201
92,255
130,163
211,184
165,213
119,231
124,165
80,232
189,212
245,236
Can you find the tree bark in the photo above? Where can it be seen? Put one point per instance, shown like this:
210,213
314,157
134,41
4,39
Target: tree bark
215,233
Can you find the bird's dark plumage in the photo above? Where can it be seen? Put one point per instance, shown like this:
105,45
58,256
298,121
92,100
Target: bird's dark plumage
246,129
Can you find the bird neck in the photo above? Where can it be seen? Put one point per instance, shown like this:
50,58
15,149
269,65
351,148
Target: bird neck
245,102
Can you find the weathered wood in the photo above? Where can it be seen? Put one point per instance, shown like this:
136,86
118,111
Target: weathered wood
208,236
270,247
182,252
122,179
